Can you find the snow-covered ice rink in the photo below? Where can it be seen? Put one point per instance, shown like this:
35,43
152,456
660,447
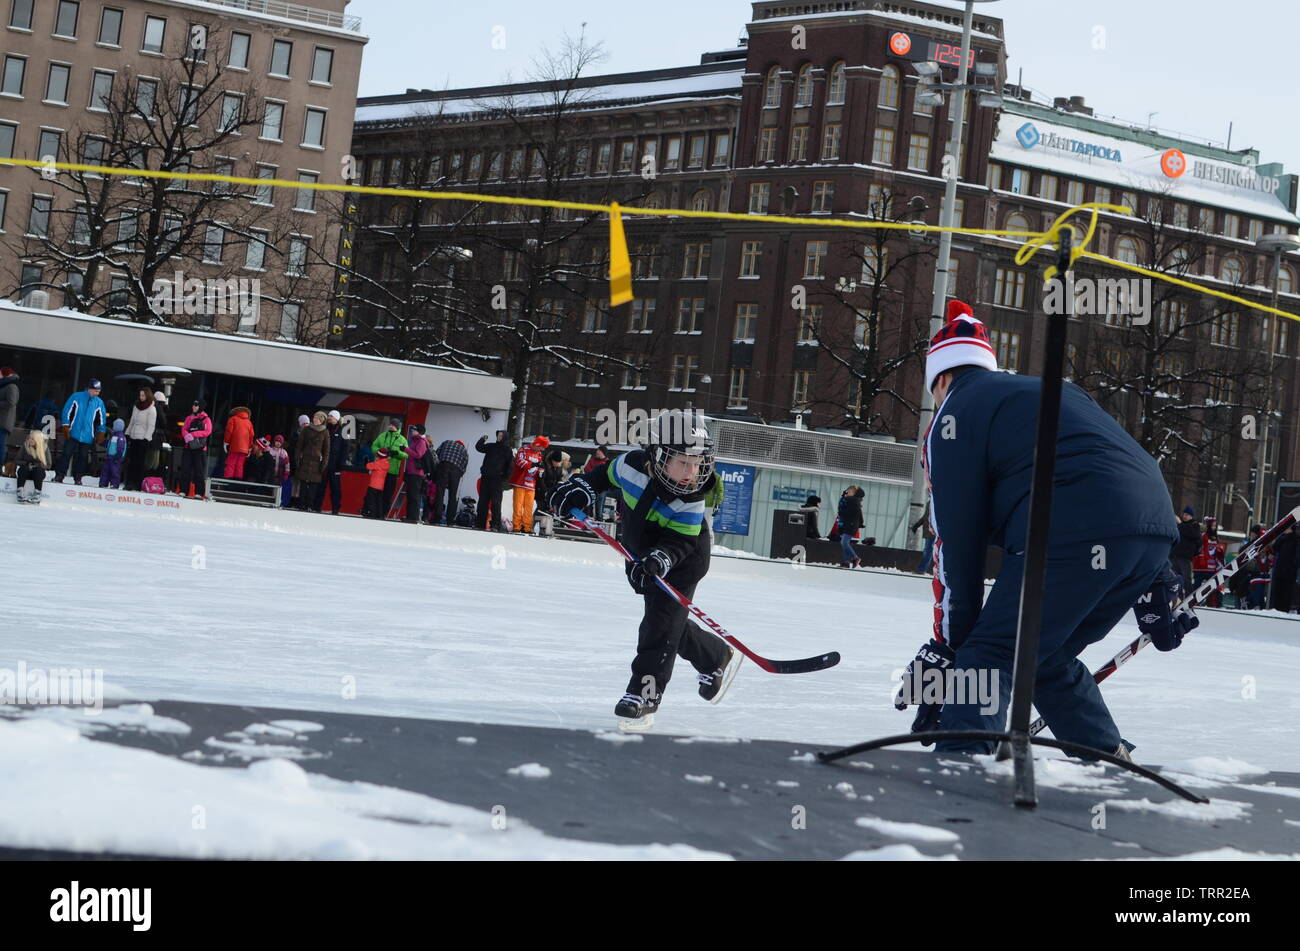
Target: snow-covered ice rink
464,625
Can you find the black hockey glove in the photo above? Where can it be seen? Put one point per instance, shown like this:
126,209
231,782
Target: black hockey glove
924,684
655,564
1156,616
577,493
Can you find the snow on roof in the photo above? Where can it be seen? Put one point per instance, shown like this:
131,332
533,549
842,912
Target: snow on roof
909,18
727,82
1137,168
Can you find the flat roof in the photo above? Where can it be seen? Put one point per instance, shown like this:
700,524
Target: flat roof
234,355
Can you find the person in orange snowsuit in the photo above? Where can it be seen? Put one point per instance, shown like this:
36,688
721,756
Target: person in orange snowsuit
523,483
238,442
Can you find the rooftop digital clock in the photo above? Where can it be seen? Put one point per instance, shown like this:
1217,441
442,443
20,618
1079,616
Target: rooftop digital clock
922,48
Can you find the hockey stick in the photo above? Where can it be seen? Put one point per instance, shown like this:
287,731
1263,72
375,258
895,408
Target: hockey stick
802,666
1215,582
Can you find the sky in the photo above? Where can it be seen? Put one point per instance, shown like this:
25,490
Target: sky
1210,64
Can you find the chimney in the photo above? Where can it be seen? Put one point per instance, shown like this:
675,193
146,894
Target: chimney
1077,105
1060,102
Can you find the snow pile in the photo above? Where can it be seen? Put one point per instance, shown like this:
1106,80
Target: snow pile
915,831
157,805
1213,811
895,853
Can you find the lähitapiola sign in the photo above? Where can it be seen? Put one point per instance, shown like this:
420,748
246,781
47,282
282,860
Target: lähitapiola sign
1029,136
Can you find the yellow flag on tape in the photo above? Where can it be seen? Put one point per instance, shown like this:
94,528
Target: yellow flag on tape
620,265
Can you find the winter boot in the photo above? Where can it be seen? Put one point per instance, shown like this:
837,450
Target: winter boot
636,714
715,684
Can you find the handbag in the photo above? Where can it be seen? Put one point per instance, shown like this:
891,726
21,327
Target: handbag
153,485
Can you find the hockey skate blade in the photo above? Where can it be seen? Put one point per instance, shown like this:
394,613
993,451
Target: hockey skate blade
728,675
639,725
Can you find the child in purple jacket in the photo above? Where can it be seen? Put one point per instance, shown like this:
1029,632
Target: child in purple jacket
110,476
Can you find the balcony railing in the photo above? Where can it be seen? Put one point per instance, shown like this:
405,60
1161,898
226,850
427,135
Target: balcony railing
295,11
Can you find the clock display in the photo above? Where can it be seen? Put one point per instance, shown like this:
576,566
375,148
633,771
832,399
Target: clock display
922,48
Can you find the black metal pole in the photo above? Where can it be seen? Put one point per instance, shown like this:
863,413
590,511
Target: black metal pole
1040,522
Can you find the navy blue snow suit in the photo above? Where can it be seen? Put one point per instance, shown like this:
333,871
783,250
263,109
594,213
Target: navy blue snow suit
1112,525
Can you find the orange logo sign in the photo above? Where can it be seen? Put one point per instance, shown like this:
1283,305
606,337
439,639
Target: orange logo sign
900,43
1173,163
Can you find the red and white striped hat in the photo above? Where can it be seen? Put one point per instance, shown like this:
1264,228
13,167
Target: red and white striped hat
962,342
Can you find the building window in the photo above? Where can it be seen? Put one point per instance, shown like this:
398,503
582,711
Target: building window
760,194
1254,229
1285,281
65,21
1020,181
696,260
475,170
918,152
38,221
1047,187
603,156
306,197
695,158
1180,215
289,314
642,315
273,121
645,262
1205,220
1007,345
685,369
673,153
1224,329
155,31
255,253
1231,270
767,145
702,200
20,15
878,202
110,27
888,95
835,90
56,85
313,134
882,147
262,193
690,312
214,241
750,254
4,203
958,212
494,167
595,318
1074,193
823,197
802,384
799,144
746,323
232,111
738,391
15,71
803,91
920,108
875,264
634,375
296,263
722,148
1126,250
831,141
146,96
814,259
626,155
1231,225
1009,288
49,145
281,56
322,65
809,323
772,90
239,45
1129,200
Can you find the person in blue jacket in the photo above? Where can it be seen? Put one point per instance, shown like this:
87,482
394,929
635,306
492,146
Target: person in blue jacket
85,416
1112,525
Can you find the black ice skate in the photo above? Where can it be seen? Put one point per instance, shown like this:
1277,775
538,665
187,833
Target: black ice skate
713,686
636,714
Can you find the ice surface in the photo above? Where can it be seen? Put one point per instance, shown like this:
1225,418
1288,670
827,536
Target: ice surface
460,639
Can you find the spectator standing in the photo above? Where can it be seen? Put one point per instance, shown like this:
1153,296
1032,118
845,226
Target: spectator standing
551,476
415,471
453,460
334,463
497,459
8,407
237,442
159,445
1187,546
281,467
850,521
313,450
33,461
1260,573
392,440
1284,571
110,474
260,469
378,474
523,483
195,431
84,419
1209,559
139,438
811,508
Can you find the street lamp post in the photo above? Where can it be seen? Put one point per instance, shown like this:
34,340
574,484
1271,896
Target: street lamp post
1278,243
940,292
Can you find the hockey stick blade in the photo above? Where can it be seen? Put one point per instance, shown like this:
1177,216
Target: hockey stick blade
801,666
1215,582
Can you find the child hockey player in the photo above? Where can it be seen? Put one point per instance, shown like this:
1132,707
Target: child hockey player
662,487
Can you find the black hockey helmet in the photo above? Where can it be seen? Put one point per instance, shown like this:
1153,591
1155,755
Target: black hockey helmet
680,433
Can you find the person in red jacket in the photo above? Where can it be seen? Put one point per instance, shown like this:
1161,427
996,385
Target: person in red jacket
238,442
1209,559
523,483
